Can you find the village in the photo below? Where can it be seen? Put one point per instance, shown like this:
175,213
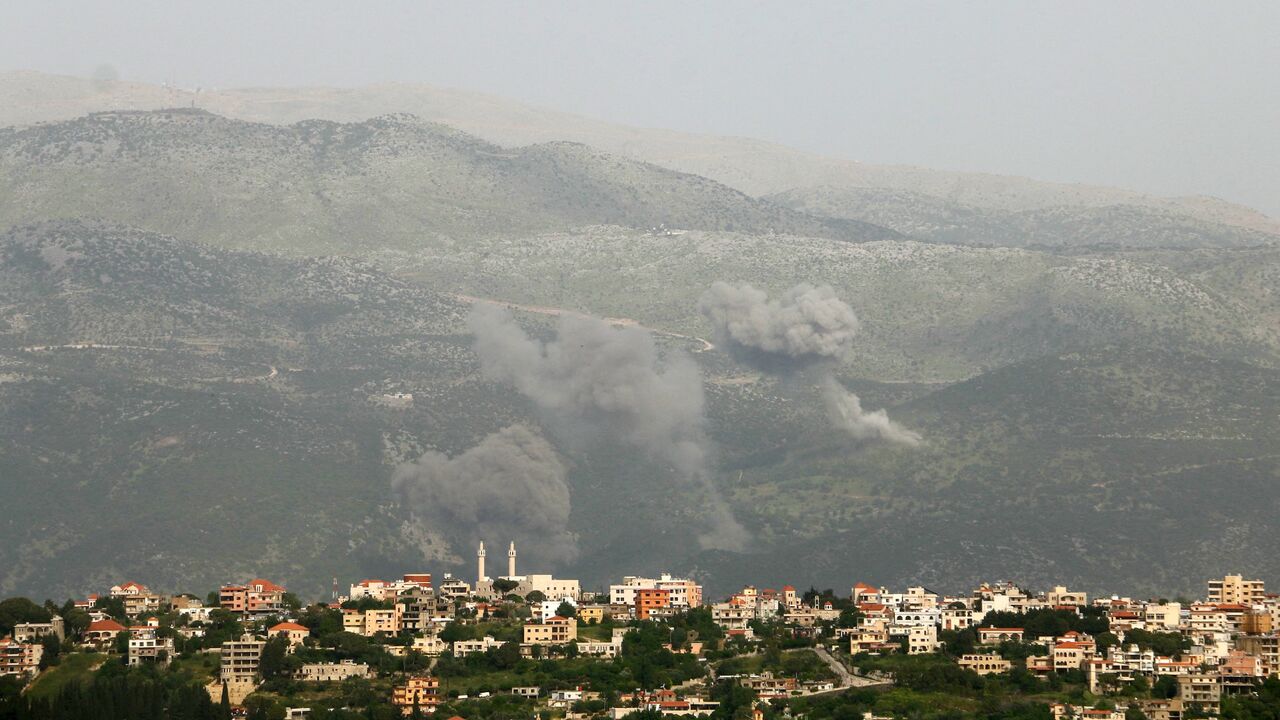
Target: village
424,642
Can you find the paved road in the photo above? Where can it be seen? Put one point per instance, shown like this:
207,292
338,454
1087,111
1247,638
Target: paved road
847,679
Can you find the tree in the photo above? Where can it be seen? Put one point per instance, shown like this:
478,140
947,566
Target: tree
535,596
503,586
52,649
20,610
272,662
121,644
224,705
566,609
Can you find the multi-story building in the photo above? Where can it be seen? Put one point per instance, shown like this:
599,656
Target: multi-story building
985,664
375,621
995,635
648,600
332,672
552,631
256,597
683,593
1235,589
293,632
146,647
1203,690
463,648
922,639
1060,596
421,691
241,658
733,615
21,660
102,633
30,632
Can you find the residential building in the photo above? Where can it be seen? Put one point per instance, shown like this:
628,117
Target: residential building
1203,690
240,659
463,648
333,672
20,660
985,664
421,691
1060,596
683,592
995,635
101,633
1235,589
256,597
146,647
552,631
648,600
30,632
292,631
922,639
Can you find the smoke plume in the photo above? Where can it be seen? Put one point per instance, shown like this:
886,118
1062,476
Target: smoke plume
509,486
808,326
844,409
594,377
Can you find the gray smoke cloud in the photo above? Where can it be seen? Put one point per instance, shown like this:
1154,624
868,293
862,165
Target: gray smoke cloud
809,325
595,377
844,409
806,324
509,486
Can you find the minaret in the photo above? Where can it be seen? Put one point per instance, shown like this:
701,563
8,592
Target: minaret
511,560
480,564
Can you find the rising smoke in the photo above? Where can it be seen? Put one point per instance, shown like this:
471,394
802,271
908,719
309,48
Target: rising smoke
510,485
597,378
807,327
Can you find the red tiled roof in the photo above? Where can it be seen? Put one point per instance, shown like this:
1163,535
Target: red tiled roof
267,585
107,625
290,626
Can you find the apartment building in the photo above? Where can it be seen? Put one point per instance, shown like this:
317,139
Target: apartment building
1235,589
682,592
241,659
256,597
21,660
422,691
552,631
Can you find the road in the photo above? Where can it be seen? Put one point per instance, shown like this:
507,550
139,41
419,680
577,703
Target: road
558,312
847,679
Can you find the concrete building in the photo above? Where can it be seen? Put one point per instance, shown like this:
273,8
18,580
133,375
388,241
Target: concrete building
985,664
421,691
1235,589
240,659
683,592
257,597
292,631
21,660
333,672
552,631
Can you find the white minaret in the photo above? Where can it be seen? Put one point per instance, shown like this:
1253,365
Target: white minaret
511,560
480,564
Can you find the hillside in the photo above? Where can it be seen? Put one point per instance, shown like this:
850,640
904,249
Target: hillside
143,376
1095,467
1063,228
752,166
932,313
319,187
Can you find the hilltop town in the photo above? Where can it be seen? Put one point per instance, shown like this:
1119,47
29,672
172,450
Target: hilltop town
521,645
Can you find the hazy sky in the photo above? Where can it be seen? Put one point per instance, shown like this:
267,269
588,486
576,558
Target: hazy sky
1170,97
